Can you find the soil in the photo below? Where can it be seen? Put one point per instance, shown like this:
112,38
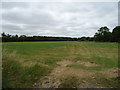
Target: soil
30,63
55,78
87,64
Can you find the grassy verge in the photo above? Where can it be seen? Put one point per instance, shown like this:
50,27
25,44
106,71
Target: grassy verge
17,76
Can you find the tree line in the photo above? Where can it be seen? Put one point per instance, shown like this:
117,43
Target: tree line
102,35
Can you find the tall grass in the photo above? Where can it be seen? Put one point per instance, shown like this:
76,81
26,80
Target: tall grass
17,76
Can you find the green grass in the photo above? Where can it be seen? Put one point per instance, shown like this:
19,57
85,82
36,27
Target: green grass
101,61
17,76
36,50
16,54
105,62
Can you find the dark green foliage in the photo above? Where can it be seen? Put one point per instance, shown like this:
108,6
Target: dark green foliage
22,38
86,39
116,34
103,35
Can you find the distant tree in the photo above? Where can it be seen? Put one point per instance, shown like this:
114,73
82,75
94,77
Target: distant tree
116,34
83,39
103,34
3,34
6,37
23,38
91,39
16,36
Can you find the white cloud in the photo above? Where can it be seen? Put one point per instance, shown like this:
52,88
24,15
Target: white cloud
58,19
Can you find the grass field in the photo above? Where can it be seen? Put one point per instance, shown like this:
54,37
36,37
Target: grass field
60,64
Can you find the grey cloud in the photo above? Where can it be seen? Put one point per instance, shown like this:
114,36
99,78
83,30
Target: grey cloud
9,5
29,18
10,27
58,19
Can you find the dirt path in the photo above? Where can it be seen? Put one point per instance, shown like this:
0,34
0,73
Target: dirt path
53,79
61,72
87,78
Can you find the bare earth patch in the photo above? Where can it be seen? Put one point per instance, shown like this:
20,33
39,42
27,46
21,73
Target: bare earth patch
57,76
64,63
110,73
31,63
53,80
87,64
86,85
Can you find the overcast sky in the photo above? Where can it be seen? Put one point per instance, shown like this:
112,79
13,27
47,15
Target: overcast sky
58,19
